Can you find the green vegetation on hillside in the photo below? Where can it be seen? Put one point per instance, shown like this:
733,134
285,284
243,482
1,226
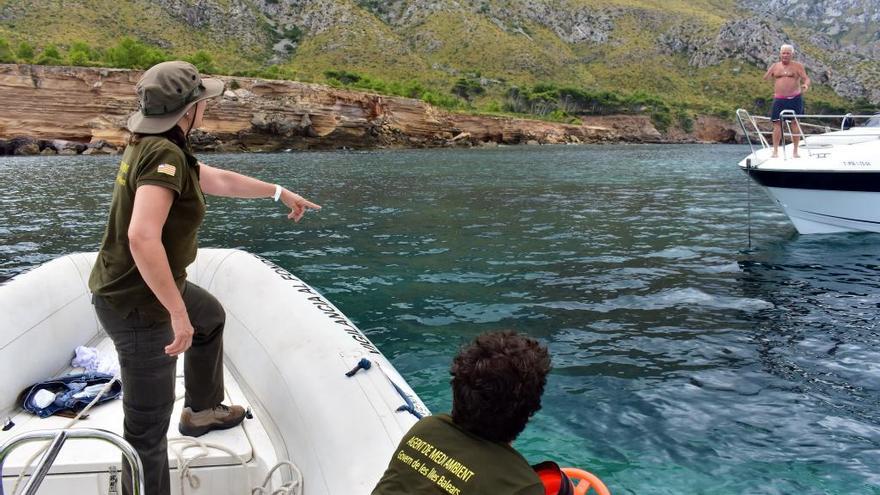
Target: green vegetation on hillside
407,89
103,23
474,44
370,49
127,53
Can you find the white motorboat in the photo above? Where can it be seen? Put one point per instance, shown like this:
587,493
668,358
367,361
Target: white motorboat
287,351
834,185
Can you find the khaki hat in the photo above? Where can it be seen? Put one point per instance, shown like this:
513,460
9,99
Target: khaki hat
165,92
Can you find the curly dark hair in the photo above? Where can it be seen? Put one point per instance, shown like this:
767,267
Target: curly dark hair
497,383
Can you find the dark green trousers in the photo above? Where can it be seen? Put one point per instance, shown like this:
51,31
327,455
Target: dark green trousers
148,376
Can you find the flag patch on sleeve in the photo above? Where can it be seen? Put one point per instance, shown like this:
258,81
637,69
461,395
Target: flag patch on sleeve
167,169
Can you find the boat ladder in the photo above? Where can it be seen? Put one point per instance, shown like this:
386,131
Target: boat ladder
58,437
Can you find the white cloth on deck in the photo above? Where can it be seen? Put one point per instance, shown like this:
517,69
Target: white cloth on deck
92,359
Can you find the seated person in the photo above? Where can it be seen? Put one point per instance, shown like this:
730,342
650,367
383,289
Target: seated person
497,383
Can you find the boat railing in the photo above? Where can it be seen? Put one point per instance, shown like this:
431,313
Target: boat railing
795,127
58,437
750,128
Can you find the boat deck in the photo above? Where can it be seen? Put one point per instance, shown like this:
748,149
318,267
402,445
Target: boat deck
84,465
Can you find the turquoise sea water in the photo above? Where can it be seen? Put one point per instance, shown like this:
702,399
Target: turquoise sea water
684,362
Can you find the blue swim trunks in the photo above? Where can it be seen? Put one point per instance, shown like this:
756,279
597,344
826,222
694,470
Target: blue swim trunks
794,103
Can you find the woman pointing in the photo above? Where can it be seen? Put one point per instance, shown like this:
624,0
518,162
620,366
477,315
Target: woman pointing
141,295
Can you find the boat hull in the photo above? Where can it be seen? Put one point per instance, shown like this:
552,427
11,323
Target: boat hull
815,211
286,346
834,189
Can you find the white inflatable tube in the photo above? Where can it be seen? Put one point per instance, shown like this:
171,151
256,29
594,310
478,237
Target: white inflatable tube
292,348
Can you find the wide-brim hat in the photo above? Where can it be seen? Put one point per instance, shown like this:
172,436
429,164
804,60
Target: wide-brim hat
165,92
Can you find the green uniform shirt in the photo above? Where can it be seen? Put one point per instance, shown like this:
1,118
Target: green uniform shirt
436,457
157,161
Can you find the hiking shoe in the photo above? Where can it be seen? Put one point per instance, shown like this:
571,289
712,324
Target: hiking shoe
222,417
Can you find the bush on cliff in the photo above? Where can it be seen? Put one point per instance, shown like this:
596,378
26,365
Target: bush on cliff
203,61
81,54
25,52
132,54
442,100
407,89
271,72
6,55
50,56
467,88
293,33
342,77
557,103
685,120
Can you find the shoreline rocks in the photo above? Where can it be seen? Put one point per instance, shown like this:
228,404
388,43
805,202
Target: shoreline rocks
28,146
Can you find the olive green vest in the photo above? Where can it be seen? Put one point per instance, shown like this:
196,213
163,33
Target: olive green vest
153,160
436,457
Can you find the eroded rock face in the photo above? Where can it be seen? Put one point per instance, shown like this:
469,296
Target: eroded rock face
312,16
849,23
228,19
714,130
572,22
754,40
84,110
628,128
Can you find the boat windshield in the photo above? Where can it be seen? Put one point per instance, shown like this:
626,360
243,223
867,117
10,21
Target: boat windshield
873,121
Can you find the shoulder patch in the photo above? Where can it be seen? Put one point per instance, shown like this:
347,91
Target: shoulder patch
167,169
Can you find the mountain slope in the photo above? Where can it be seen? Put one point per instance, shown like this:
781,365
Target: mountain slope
700,56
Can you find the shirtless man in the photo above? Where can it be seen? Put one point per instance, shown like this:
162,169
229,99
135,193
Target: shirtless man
789,81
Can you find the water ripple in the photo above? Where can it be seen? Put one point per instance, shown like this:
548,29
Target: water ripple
684,361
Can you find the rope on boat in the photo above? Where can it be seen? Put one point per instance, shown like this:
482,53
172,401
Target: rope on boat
184,467
292,487
749,200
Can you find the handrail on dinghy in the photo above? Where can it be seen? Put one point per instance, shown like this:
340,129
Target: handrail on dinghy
750,125
58,437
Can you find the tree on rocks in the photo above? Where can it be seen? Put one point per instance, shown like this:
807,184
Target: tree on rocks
6,55
25,52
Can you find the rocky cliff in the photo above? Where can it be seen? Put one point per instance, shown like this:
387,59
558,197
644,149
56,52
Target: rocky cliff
843,34
83,110
837,40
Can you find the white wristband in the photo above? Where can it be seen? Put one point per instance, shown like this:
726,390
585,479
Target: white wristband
277,194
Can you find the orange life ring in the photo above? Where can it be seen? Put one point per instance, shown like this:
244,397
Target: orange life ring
585,481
